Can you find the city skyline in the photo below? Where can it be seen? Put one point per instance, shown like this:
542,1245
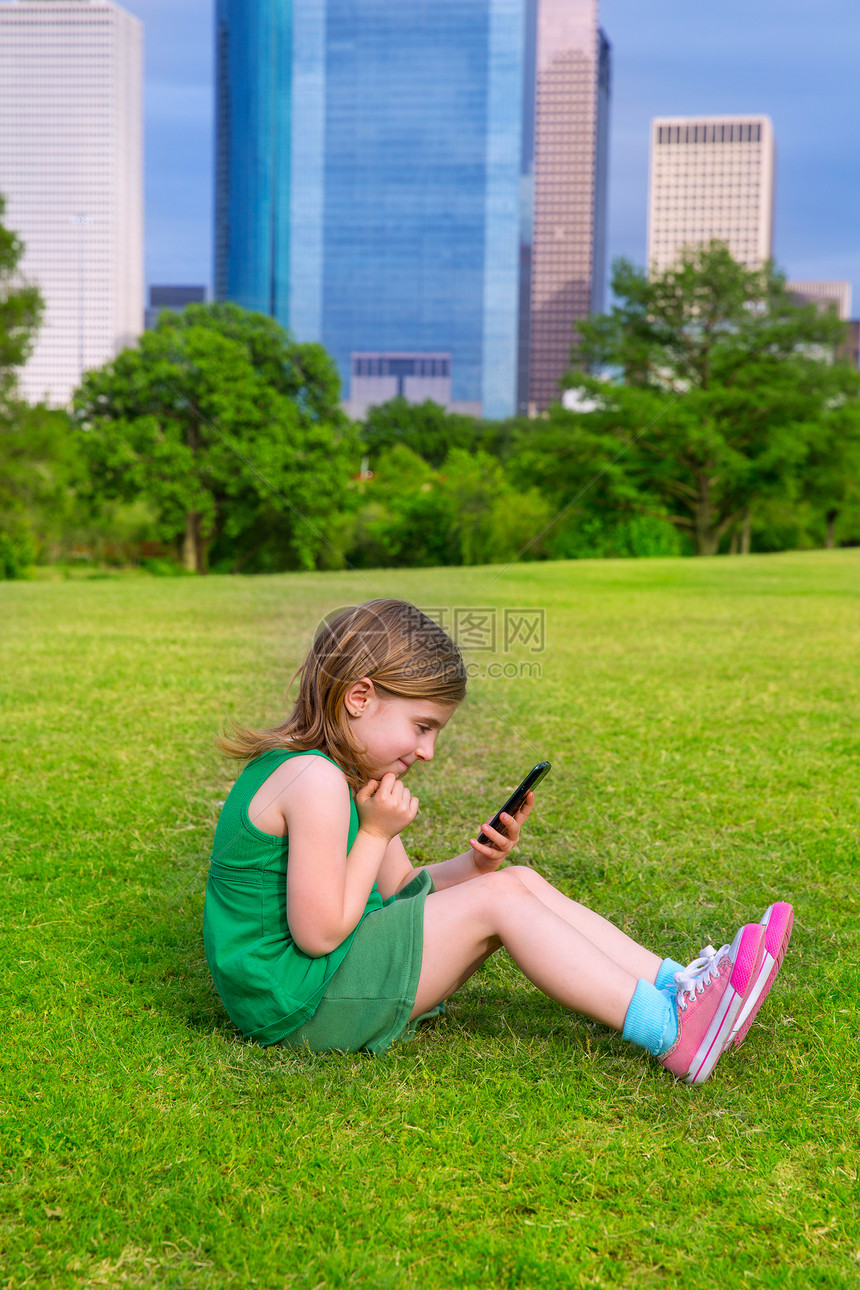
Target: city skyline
421,189
777,59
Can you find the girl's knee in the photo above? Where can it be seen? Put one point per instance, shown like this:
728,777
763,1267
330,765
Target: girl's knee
492,896
528,878
513,881
524,872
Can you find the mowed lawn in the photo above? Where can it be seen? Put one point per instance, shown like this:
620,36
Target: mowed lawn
702,721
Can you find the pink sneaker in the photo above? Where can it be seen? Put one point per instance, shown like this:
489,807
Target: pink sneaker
777,921
711,993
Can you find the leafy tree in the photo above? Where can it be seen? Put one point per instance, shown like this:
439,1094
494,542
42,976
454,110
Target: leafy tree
230,431
719,384
39,465
831,472
21,310
493,517
466,513
427,428
400,470
400,517
595,504
574,464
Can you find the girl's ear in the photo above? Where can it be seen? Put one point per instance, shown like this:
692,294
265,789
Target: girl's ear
358,696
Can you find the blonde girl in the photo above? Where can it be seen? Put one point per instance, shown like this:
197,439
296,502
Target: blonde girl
321,934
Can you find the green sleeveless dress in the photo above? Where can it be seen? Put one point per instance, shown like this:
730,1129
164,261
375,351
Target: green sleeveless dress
268,985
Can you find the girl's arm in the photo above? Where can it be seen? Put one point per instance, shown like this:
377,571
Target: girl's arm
481,858
327,889
397,870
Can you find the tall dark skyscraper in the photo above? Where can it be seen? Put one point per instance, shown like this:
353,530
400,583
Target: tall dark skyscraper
420,186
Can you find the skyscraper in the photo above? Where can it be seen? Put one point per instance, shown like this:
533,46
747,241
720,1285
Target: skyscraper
711,178
71,170
832,294
419,187
568,247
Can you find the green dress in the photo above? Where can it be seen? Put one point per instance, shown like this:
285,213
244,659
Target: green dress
268,985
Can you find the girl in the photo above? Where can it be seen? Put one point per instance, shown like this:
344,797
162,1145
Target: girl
320,933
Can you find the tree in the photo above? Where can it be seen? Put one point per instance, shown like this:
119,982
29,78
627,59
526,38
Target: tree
718,385
232,433
39,465
401,518
831,473
494,518
427,428
469,512
21,309
575,465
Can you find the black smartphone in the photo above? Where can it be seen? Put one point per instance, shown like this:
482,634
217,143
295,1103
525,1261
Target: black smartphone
516,799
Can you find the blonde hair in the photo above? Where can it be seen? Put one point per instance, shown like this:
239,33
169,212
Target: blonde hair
404,653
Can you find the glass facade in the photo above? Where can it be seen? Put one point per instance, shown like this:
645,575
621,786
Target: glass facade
252,153
405,183
373,179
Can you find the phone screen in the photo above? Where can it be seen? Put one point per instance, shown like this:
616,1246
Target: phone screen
516,799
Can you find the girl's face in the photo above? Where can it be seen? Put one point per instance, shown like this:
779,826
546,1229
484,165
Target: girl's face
394,733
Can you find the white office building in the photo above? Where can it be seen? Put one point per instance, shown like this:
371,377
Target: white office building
711,178
71,171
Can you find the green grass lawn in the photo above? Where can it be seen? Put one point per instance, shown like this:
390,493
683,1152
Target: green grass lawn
702,721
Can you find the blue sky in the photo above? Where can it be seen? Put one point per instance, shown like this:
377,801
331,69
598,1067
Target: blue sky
797,60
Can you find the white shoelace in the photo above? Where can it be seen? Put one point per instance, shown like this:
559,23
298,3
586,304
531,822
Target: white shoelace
696,975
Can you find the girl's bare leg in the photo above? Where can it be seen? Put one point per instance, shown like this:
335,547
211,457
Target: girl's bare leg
463,925
605,935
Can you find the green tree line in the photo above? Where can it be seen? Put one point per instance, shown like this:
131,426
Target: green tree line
710,413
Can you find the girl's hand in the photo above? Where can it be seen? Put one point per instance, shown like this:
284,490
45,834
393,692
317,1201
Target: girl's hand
385,806
487,856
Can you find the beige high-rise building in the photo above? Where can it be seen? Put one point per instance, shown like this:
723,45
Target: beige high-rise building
833,294
711,178
568,246
71,170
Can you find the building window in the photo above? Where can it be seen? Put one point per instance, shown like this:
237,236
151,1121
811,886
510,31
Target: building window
402,365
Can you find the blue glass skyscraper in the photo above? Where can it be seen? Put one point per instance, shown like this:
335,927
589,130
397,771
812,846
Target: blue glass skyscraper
374,182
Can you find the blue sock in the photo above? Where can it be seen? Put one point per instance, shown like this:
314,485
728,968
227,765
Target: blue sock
666,974
652,1019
